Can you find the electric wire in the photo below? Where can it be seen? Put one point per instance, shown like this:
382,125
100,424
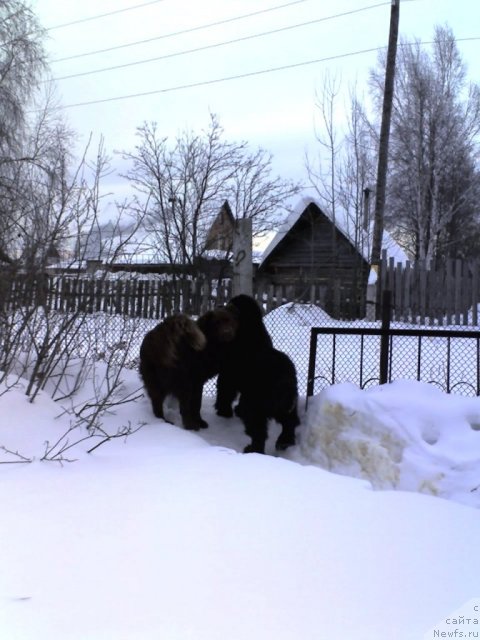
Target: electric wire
180,32
210,46
102,15
245,75
224,79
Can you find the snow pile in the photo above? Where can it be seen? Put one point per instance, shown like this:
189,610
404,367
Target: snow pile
307,315
404,435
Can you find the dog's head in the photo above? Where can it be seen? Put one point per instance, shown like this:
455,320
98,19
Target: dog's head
185,329
246,309
252,330
219,325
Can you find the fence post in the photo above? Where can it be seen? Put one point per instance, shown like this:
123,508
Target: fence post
242,257
311,365
385,337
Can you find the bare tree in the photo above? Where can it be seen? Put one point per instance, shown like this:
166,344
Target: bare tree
356,175
48,200
323,174
344,169
433,181
181,188
61,205
254,193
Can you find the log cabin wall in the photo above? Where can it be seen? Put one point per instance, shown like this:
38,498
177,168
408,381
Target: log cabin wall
316,252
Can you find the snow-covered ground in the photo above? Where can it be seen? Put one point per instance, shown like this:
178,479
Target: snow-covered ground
366,530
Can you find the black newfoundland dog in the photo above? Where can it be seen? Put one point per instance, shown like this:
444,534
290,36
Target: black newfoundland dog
179,355
264,377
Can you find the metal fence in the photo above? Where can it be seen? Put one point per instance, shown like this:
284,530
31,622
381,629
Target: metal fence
364,354
448,358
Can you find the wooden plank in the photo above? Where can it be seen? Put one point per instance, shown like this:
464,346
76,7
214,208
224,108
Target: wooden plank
415,293
474,292
449,291
105,301
117,296
391,275
145,298
466,291
431,298
397,293
99,289
407,313
157,300
69,296
126,298
422,291
439,289
139,299
458,284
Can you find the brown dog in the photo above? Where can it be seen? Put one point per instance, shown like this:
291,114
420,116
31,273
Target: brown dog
179,355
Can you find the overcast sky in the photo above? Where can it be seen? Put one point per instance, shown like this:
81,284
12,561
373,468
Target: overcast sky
274,110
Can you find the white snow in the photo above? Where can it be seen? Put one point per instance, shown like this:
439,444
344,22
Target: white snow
405,435
366,530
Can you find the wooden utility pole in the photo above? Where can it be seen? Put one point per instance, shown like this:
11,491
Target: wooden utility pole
385,135
242,281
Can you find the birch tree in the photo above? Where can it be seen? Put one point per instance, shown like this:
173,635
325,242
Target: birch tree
22,62
434,181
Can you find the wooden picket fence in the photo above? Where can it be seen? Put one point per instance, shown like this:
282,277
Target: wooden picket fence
440,292
134,297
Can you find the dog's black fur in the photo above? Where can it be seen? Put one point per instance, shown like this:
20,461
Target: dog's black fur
179,355
251,336
265,378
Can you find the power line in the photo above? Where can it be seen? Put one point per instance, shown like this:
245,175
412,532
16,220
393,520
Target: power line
214,45
181,32
224,79
103,15
246,75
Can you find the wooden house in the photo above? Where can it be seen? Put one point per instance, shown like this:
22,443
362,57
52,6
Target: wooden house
220,235
215,260
319,260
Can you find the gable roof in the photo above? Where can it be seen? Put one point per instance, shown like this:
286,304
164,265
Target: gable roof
220,235
342,224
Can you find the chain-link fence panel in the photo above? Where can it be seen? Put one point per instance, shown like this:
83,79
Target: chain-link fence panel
450,359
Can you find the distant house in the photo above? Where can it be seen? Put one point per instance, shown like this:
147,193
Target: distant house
321,259
220,235
312,257
131,247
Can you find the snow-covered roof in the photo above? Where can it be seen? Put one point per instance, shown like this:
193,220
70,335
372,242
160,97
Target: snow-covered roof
343,224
